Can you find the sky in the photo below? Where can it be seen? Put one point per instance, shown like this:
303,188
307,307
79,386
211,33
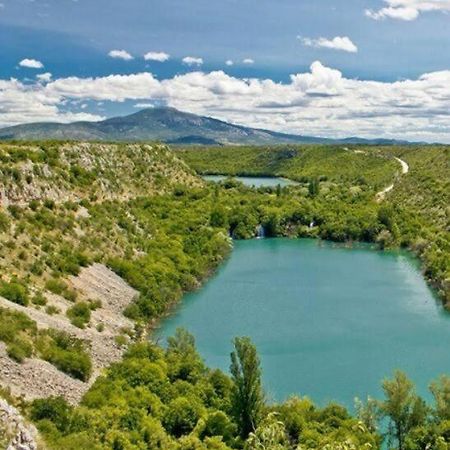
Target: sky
332,68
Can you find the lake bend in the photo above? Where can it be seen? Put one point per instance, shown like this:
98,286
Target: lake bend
329,321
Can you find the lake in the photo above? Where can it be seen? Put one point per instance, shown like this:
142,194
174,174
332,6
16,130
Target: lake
253,181
329,322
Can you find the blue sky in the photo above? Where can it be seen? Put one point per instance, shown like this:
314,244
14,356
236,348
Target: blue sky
383,41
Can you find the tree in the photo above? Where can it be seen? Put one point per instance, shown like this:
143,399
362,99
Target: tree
270,435
247,393
403,407
441,393
314,187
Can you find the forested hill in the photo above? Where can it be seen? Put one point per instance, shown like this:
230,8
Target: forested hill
168,125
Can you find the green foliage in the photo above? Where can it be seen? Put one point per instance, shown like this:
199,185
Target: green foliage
24,340
14,291
403,407
66,353
79,314
247,394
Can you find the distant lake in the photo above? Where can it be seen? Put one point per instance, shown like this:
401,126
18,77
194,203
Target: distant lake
329,322
253,181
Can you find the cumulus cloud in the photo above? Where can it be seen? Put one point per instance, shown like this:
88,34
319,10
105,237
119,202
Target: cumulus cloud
120,54
407,9
156,56
229,62
248,61
192,61
31,63
320,102
44,77
342,43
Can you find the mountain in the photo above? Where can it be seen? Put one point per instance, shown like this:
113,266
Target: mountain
166,125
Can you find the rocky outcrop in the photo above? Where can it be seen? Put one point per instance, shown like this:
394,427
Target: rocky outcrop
22,436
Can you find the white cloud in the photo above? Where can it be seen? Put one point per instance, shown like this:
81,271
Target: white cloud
44,77
120,54
229,62
192,61
156,56
320,102
407,9
31,63
248,61
342,43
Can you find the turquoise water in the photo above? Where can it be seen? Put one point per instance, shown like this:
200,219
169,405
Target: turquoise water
329,322
254,181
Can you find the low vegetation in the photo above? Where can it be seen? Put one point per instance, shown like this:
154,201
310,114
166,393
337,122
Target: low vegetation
24,340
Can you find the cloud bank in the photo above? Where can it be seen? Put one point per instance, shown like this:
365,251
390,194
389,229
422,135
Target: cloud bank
342,43
407,9
320,102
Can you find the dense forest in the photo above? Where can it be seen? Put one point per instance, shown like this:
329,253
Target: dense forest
144,213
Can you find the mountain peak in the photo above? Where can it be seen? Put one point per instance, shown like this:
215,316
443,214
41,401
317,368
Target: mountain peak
162,123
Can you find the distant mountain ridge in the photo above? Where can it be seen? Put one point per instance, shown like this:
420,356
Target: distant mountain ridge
171,126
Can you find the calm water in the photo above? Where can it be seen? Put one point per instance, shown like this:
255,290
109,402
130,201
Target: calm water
329,322
254,181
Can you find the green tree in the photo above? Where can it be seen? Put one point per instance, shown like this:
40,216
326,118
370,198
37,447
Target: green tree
270,435
247,393
441,393
404,409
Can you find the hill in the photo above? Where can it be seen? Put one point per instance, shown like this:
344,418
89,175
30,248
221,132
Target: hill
167,125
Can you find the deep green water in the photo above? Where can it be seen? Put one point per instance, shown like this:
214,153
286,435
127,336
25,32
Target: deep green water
329,322
254,181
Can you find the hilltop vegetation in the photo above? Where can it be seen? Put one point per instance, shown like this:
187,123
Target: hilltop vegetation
301,163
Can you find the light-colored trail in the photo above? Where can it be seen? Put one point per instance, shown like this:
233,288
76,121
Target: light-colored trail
380,196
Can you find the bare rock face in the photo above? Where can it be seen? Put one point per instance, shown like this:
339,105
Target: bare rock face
23,435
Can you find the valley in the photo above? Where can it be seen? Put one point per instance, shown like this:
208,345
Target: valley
100,241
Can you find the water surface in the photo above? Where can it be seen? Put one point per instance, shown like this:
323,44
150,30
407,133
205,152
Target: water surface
329,322
253,181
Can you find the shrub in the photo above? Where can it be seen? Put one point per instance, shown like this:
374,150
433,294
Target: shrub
55,409
39,299
14,292
182,416
66,353
56,286
19,350
52,309
79,314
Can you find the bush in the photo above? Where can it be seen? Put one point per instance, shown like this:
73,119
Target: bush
39,299
14,292
79,314
66,353
54,409
52,309
56,286
19,350
182,416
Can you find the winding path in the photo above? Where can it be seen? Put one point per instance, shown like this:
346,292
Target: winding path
405,169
